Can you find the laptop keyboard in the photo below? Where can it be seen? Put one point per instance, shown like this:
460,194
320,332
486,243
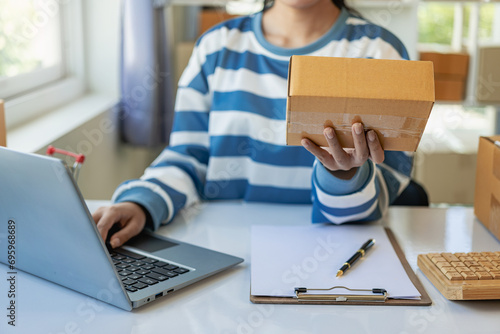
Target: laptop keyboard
137,272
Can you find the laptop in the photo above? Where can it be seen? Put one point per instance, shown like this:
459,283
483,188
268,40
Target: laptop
56,239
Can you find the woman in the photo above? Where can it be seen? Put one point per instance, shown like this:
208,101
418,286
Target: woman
228,140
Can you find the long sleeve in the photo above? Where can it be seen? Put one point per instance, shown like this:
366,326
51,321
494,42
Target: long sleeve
364,197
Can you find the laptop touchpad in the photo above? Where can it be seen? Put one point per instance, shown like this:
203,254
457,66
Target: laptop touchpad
149,243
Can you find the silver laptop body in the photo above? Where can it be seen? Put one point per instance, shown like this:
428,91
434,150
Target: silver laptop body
57,239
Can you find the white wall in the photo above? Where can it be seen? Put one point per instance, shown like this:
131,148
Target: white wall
399,17
102,45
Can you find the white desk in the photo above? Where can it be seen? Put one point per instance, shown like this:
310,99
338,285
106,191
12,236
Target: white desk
221,303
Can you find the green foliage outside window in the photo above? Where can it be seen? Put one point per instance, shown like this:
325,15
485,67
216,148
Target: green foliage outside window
436,22
15,43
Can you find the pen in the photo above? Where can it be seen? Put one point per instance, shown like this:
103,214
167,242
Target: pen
359,253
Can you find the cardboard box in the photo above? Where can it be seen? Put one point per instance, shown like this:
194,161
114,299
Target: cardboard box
450,74
392,97
487,192
488,84
454,64
210,17
449,89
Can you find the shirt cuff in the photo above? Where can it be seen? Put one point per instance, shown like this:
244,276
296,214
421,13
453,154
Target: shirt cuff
335,186
150,201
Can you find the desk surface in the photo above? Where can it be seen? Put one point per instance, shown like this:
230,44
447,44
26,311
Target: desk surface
220,304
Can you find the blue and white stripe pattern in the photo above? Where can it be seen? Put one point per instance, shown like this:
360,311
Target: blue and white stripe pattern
228,140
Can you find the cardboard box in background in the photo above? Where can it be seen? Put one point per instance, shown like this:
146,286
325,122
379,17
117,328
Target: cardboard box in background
450,74
210,17
487,191
488,85
392,97
449,90
453,65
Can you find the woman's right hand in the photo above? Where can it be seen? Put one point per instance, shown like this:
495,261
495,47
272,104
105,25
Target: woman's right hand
129,215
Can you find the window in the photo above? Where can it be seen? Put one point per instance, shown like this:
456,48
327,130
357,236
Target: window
460,27
41,58
435,23
438,22
30,40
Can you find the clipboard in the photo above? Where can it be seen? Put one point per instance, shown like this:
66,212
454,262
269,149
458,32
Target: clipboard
424,300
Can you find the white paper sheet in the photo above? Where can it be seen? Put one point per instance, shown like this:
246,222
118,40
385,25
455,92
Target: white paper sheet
285,257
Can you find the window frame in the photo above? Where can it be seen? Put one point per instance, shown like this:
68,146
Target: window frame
22,83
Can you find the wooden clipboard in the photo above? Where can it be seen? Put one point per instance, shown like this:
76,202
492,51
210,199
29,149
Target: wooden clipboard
424,300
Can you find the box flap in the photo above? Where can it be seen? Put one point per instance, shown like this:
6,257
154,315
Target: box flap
491,139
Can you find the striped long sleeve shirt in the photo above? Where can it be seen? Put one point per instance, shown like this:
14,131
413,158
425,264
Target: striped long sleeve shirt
228,138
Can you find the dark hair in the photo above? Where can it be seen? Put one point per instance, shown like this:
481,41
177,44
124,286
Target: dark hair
339,3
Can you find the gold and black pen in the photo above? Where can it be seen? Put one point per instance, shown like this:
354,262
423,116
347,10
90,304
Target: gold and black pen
359,253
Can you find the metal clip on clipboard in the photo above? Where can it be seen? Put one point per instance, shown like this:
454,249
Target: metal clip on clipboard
79,159
378,295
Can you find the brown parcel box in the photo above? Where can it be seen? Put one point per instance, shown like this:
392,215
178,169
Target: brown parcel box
450,74
210,17
487,192
488,76
393,97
